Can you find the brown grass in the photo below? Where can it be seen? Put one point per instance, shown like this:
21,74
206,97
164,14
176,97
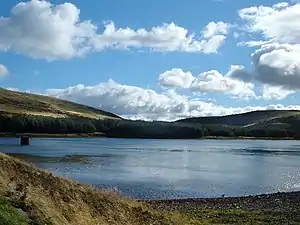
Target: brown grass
12,102
48,199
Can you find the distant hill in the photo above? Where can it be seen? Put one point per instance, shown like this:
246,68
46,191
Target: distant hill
36,114
244,119
12,102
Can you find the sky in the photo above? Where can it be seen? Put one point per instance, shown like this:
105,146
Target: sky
155,60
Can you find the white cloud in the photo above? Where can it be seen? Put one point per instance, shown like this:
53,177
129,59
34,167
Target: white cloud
138,103
253,43
176,78
213,81
167,37
3,70
213,44
275,92
209,82
56,32
215,28
275,65
279,23
276,62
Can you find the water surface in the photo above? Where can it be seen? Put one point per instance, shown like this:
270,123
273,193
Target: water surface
161,169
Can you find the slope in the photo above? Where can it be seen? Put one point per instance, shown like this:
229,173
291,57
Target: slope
244,119
12,102
46,199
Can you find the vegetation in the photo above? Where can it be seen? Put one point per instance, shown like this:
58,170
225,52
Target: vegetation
285,127
34,114
10,215
47,199
32,196
243,118
12,102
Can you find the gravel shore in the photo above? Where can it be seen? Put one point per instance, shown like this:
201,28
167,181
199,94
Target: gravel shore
277,208
276,201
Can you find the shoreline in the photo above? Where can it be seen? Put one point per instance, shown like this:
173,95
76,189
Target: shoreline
277,208
101,135
210,202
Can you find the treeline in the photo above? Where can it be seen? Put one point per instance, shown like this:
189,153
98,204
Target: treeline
134,129
111,128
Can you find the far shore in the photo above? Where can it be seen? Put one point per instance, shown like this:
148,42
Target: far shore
102,135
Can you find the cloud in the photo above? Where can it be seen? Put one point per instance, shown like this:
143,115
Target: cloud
167,37
53,32
278,64
275,92
253,43
209,82
279,23
213,81
275,65
176,78
215,28
138,103
3,70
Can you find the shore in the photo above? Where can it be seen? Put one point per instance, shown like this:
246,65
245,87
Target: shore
273,201
277,208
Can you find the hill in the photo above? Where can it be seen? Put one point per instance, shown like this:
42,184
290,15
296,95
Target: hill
12,102
47,116
243,119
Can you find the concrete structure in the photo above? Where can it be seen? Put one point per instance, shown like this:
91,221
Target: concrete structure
24,140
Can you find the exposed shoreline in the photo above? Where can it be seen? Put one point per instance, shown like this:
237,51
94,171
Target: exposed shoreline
276,208
250,202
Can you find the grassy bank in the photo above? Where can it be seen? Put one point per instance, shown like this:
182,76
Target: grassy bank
47,199
32,196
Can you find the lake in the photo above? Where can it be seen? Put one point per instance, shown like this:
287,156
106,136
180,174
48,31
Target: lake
164,169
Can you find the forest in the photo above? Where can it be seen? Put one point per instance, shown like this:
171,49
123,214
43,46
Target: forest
140,129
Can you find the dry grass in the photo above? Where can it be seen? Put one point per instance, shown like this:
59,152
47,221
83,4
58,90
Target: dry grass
48,199
31,104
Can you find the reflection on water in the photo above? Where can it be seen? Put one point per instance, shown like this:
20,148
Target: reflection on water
156,169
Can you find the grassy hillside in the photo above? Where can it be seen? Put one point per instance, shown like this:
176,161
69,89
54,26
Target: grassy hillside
12,102
32,196
243,119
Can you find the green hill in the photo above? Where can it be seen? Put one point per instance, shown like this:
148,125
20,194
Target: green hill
12,102
244,119
42,115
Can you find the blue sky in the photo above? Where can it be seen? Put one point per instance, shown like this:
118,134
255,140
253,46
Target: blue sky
119,55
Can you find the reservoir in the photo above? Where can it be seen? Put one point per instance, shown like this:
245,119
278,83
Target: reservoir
166,169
